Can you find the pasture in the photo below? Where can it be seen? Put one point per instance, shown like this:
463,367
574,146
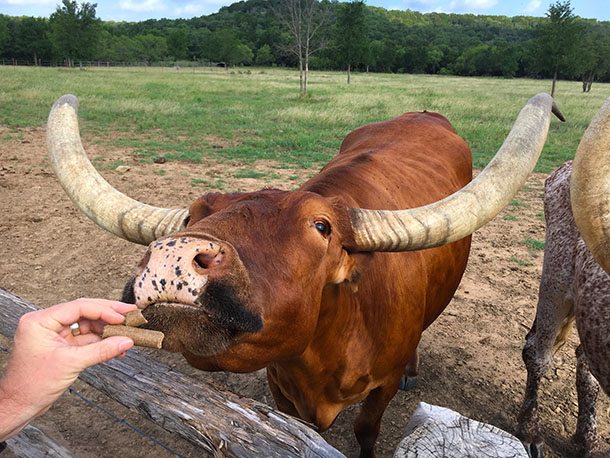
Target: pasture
183,133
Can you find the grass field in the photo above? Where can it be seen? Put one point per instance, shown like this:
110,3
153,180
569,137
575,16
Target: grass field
254,114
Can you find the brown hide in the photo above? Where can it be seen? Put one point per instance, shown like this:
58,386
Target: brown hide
338,326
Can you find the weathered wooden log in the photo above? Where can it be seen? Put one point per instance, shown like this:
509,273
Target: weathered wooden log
221,423
435,432
33,443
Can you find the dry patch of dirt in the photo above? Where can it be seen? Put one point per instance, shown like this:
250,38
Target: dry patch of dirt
470,357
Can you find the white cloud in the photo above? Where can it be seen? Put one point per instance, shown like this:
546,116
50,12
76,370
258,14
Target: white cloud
420,2
145,6
200,7
471,4
189,8
532,6
27,2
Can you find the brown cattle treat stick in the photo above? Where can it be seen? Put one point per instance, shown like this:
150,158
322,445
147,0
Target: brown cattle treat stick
135,318
141,337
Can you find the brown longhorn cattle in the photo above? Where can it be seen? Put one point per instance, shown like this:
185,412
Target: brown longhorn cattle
574,287
303,283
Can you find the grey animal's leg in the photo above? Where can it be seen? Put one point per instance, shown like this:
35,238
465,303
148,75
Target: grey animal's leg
555,309
552,323
587,388
408,381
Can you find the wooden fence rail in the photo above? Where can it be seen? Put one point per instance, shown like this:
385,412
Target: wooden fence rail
221,423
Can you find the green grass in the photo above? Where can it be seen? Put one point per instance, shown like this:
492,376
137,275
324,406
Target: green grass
510,217
257,115
214,184
520,262
534,244
516,203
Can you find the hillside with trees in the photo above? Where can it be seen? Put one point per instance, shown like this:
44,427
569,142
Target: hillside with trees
256,32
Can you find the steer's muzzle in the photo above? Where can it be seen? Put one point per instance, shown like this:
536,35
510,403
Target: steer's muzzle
197,291
177,270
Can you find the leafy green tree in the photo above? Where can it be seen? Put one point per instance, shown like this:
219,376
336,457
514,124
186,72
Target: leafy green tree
224,46
30,39
74,30
592,60
152,48
350,34
558,41
373,50
197,39
4,33
177,43
434,57
264,55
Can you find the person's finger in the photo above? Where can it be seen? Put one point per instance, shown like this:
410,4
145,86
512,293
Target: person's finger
61,315
86,339
103,350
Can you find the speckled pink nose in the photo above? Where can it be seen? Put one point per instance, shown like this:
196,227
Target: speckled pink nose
176,270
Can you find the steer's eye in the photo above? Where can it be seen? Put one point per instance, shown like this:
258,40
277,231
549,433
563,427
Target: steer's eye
323,227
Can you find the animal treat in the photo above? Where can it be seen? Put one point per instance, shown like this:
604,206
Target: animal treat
135,319
141,337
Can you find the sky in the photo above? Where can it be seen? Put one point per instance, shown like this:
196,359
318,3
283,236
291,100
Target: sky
139,10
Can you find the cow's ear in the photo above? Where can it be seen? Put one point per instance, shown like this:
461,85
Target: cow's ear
346,270
208,204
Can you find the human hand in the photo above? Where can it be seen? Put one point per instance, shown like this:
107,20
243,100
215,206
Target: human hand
46,357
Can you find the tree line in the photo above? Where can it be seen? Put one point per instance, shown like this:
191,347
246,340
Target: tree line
340,36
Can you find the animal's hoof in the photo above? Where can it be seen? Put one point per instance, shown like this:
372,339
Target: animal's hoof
533,450
407,383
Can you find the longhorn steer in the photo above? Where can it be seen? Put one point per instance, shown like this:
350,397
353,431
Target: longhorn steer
301,282
573,285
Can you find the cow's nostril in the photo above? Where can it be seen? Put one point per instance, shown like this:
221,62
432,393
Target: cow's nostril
204,261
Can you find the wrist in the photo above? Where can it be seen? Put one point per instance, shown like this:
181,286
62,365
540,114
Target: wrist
15,412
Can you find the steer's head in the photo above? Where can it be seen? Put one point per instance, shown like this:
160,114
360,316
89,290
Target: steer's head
243,281
236,281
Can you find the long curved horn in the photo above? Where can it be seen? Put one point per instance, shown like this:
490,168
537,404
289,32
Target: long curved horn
590,186
94,196
463,212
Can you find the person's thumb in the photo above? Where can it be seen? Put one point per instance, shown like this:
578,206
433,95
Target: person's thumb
104,350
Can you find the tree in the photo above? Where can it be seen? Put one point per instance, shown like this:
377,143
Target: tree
74,31
592,58
303,20
264,55
4,32
558,40
152,47
350,34
177,43
30,39
224,46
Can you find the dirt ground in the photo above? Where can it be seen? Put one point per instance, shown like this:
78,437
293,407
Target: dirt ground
470,357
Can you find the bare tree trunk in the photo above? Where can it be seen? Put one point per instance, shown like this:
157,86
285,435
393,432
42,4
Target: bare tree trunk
301,76
349,67
305,76
554,84
302,19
